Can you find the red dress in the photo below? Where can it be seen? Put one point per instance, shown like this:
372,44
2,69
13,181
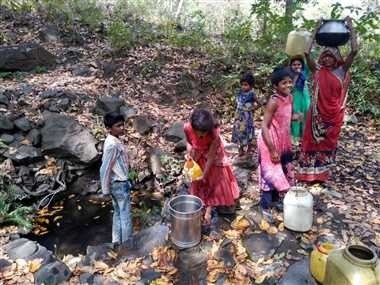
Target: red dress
220,187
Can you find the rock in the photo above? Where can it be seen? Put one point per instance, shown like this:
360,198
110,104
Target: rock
298,274
86,278
155,162
108,104
5,124
23,124
4,100
34,137
4,264
64,137
128,112
247,162
49,33
50,93
28,250
143,125
81,71
24,154
226,254
86,183
176,132
148,275
143,242
180,146
52,273
242,176
98,252
7,138
63,104
24,57
350,119
21,248
261,245
192,263
110,68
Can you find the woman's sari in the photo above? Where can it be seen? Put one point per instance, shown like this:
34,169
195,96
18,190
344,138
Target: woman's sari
324,120
301,103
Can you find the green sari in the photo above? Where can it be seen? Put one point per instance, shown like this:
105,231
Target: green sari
301,103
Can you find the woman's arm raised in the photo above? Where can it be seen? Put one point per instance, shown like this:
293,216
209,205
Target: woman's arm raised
354,45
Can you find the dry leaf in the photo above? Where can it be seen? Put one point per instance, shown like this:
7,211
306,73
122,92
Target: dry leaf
34,265
264,225
240,223
272,230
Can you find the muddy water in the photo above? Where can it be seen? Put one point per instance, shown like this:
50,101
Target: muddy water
73,223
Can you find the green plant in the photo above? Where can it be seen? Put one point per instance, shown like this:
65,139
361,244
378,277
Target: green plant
40,69
14,214
120,35
6,74
11,211
237,37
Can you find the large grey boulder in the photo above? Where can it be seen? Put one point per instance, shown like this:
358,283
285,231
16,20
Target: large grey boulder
24,154
176,132
298,274
64,137
24,57
23,124
23,248
5,123
143,242
49,33
142,125
128,112
108,104
52,273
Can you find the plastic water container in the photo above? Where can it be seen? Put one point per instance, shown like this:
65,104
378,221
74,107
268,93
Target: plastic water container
353,265
298,209
318,260
297,42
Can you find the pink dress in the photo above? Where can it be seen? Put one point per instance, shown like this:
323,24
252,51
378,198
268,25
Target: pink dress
220,187
279,176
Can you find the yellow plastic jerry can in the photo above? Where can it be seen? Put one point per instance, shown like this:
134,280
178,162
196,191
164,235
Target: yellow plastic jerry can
318,260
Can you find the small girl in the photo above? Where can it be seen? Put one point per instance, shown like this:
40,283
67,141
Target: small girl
243,130
218,186
274,142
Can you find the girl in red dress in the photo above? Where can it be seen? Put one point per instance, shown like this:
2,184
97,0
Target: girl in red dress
218,186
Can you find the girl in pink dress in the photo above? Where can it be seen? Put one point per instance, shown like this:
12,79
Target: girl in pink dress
218,186
274,141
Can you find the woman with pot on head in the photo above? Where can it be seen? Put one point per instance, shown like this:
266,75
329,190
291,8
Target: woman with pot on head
324,120
301,97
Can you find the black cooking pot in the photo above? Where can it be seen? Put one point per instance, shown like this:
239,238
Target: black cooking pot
332,33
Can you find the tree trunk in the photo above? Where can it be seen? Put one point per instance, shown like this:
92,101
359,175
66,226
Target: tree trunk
289,9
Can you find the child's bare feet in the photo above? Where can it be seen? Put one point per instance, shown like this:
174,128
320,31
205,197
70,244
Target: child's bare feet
208,215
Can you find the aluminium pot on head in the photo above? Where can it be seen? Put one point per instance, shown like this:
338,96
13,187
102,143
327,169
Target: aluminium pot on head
332,33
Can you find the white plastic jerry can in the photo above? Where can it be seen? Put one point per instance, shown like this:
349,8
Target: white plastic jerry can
298,209
296,43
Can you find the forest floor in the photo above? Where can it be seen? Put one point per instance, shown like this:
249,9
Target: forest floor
166,84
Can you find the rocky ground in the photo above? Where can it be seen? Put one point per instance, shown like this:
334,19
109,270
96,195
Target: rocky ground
50,123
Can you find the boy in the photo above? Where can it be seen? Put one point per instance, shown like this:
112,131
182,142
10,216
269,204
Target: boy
114,177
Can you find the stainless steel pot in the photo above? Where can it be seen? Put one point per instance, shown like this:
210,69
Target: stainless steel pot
185,213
